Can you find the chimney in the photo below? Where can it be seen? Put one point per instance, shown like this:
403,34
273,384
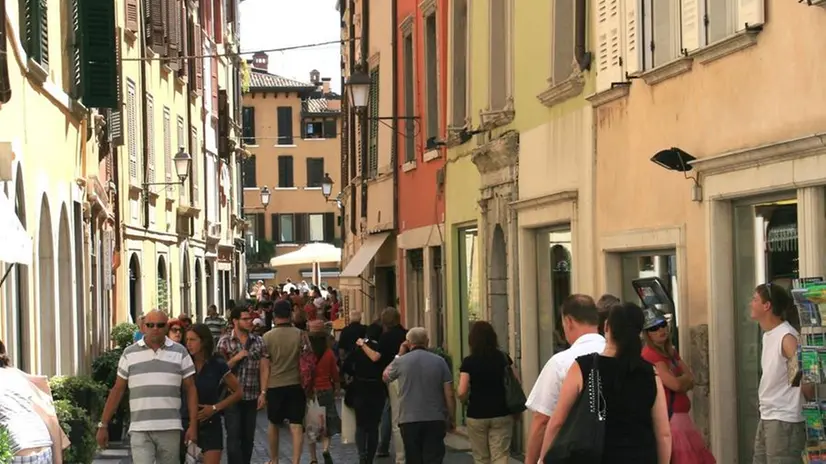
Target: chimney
325,85
314,77
261,61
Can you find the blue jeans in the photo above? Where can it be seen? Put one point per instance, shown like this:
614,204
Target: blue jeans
239,420
385,429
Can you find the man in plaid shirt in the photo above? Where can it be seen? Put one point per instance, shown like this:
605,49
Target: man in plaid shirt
248,359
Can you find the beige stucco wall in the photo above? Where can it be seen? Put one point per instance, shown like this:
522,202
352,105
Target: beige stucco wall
766,93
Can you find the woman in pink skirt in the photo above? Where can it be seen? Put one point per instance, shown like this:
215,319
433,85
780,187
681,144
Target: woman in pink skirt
688,446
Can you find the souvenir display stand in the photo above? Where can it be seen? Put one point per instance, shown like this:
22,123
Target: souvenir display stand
810,365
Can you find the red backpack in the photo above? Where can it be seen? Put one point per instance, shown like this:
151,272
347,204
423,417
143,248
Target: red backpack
306,363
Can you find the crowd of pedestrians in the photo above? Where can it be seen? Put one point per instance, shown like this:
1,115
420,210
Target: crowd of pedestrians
183,378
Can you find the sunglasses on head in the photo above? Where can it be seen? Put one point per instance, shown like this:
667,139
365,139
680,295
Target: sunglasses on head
657,327
153,325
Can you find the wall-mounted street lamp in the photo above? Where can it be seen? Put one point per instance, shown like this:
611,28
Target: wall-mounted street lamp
359,84
676,159
266,196
182,161
327,186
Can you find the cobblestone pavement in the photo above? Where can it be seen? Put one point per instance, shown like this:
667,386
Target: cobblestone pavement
342,454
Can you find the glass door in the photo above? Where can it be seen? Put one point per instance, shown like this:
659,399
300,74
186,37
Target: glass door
765,250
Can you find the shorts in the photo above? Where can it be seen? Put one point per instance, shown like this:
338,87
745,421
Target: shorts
288,403
210,435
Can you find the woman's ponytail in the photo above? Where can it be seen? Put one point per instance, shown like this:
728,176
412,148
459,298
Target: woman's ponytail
625,321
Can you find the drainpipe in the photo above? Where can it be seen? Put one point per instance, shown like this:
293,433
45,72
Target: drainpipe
394,21
144,127
351,126
364,122
188,128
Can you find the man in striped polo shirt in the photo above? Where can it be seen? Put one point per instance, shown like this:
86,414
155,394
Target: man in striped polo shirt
154,369
217,325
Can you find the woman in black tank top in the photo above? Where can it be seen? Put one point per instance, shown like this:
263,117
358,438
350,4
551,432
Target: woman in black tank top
636,425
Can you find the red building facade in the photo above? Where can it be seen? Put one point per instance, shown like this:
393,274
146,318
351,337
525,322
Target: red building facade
421,80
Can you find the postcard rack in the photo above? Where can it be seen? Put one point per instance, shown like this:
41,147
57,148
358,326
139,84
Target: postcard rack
809,367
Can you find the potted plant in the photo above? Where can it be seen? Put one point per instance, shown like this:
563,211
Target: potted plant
123,334
6,453
81,391
77,425
105,371
444,354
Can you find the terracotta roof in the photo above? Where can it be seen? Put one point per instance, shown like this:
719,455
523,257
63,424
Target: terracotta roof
317,105
264,80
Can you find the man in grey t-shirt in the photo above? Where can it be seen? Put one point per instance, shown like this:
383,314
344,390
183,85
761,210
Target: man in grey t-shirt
426,401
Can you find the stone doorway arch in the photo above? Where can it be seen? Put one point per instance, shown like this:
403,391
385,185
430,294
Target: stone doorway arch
47,323
135,291
69,330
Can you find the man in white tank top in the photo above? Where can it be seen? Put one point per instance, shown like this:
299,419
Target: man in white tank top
781,432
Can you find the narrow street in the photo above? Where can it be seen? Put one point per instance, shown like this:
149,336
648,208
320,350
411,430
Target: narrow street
344,454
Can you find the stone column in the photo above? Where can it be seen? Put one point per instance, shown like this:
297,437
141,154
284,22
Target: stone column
811,231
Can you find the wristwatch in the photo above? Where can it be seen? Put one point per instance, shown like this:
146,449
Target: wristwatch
214,408
102,425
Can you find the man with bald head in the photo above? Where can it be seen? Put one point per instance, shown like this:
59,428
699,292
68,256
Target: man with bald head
154,369
580,320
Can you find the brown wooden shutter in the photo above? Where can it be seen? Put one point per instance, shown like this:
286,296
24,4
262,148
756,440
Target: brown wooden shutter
173,31
115,121
260,228
218,20
274,228
214,78
198,35
301,225
184,24
329,128
329,227
133,23
156,31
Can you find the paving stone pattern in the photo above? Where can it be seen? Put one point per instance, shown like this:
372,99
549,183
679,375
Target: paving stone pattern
342,454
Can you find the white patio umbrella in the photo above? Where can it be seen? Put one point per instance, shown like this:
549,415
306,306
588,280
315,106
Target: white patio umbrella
313,253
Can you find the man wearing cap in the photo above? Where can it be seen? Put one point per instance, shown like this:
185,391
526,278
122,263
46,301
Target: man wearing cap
247,357
579,322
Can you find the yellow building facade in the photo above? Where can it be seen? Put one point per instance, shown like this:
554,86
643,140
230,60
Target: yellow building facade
182,245
56,169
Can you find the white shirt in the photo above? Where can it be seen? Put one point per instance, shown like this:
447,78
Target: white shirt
778,400
545,392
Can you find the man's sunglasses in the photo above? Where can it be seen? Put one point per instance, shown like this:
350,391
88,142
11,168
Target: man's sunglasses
657,327
153,325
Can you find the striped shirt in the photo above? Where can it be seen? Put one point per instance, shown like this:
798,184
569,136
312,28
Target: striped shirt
17,413
155,379
216,325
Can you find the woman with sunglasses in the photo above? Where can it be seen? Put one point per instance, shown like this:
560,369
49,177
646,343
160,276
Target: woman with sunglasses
687,445
176,331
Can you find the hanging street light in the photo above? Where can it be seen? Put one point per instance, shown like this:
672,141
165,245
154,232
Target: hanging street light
359,84
265,196
182,163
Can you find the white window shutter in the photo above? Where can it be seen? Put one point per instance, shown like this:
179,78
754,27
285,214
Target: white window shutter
691,17
633,40
609,46
751,13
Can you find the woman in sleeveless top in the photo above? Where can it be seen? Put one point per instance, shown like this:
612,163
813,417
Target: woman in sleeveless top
636,426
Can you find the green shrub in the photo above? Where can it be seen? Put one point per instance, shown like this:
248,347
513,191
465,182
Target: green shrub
444,354
82,392
105,367
123,334
6,454
81,432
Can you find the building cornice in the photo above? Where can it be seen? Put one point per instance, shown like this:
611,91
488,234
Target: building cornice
538,201
801,147
499,153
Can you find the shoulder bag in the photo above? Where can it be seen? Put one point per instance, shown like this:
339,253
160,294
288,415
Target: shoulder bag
582,436
514,395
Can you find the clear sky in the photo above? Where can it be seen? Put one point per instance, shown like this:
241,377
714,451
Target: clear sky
267,24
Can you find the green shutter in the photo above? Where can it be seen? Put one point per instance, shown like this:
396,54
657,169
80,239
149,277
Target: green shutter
35,33
98,63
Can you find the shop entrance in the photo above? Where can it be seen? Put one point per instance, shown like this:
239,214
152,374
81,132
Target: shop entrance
765,250
553,273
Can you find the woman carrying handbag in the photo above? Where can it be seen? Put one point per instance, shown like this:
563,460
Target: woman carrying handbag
612,407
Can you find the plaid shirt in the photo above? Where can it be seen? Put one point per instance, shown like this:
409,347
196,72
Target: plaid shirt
248,370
